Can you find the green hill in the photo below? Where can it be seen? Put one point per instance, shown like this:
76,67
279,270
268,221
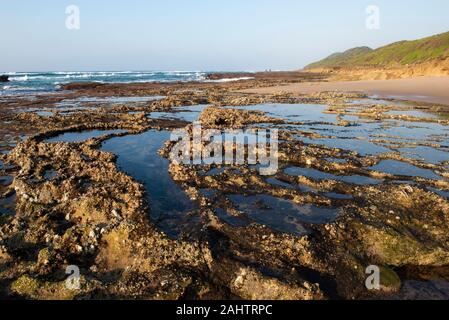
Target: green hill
396,54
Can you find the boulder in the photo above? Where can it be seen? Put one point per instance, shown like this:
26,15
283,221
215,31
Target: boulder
4,79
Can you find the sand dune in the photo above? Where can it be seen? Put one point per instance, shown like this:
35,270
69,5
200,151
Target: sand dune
423,89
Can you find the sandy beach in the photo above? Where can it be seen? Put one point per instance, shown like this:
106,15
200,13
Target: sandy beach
423,89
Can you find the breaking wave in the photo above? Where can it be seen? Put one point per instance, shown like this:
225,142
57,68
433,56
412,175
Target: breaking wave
21,82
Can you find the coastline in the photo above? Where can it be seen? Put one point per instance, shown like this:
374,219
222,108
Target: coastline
422,89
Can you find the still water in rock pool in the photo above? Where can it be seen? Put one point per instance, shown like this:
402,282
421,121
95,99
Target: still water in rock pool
169,205
82,136
83,103
281,214
138,157
187,113
320,175
404,169
8,205
363,135
294,112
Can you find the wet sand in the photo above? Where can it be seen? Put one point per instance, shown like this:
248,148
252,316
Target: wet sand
425,89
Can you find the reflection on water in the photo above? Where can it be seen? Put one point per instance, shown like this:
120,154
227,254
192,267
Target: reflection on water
91,102
50,174
215,171
8,205
6,180
39,111
188,113
404,169
336,160
362,147
82,136
224,215
362,135
208,193
279,183
4,166
412,113
319,175
281,214
44,113
338,196
417,131
427,154
138,157
424,141
169,205
444,194
294,112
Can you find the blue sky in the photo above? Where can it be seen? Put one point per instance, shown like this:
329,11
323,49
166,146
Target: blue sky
202,34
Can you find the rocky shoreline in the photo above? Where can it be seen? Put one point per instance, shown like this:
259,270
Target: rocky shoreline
92,215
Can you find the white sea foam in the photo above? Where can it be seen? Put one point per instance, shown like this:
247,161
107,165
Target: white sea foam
22,78
34,82
230,79
20,88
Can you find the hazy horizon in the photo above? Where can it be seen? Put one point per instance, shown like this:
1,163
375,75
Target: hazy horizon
178,36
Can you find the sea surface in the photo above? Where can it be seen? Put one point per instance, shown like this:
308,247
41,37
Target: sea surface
24,83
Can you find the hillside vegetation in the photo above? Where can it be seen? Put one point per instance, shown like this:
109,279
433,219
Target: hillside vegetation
397,54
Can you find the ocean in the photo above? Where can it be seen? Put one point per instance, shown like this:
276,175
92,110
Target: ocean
23,83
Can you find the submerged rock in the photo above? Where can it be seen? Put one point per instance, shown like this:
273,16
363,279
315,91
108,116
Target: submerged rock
215,117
